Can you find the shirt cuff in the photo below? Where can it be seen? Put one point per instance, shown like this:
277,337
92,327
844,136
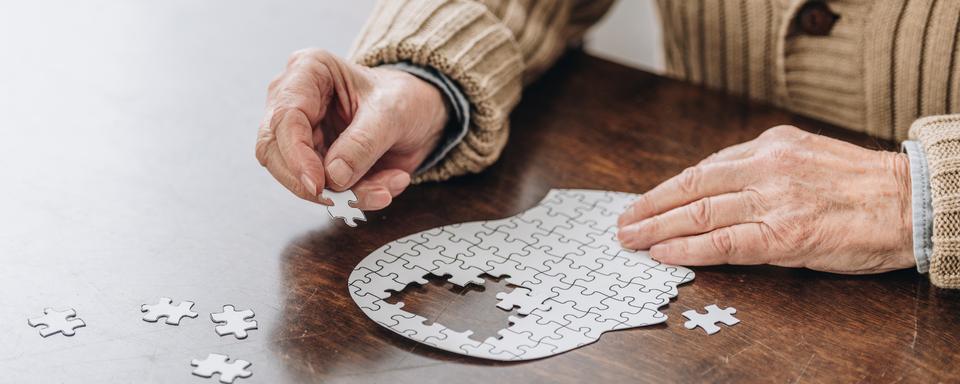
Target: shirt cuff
921,204
457,125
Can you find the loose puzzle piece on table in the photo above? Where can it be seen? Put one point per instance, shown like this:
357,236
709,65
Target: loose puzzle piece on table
215,363
341,208
165,309
573,280
709,320
233,322
54,321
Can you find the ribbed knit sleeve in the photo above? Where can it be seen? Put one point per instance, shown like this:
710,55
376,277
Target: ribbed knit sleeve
489,48
940,138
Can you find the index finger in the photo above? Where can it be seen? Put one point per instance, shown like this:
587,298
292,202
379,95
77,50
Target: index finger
297,103
692,184
741,244
295,141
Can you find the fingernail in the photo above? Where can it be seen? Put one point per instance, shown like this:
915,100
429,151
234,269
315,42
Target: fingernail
379,199
340,172
309,184
398,182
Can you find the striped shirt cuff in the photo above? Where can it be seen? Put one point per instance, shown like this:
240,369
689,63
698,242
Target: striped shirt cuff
921,204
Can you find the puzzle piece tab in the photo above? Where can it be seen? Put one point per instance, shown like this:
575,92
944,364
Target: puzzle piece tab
341,208
708,321
54,321
165,309
233,322
217,364
521,298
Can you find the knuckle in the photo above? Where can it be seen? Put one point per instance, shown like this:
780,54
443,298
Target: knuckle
722,240
641,207
296,56
261,152
279,114
689,179
791,237
797,196
268,154
779,156
275,82
712,157
306,53
265,138
767,236
699,213
654,225
754,202
792,231
362,144
303,53
780,132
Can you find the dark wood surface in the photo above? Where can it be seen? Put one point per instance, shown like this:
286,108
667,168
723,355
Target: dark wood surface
126,193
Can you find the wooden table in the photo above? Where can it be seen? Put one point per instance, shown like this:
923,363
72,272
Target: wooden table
124,193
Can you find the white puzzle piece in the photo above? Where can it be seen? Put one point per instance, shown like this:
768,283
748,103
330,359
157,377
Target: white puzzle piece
520,297
341,208
232,321
573,280
165,309
217,364
54,321
709,320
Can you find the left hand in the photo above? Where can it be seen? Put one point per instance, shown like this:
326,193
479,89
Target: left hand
787,198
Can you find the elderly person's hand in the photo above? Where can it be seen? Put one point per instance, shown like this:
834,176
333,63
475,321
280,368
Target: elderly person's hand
787,198
334,124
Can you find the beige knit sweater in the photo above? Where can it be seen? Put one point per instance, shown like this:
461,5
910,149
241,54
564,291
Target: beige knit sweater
883,66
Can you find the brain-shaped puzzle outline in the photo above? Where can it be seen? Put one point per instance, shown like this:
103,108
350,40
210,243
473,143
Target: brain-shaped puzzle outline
574,281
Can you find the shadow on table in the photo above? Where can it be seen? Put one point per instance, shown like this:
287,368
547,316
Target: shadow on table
322,331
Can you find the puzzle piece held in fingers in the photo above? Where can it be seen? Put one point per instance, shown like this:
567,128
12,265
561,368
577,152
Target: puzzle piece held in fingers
342,208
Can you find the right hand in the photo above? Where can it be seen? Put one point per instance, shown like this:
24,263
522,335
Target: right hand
338,125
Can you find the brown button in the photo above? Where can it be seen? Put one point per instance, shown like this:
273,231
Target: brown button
816,19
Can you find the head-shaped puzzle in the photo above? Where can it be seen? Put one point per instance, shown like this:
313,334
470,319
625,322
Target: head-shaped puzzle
573,280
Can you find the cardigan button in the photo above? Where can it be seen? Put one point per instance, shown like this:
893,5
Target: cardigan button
816,19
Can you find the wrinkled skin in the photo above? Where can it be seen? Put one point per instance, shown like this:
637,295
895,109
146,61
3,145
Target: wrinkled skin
787,198
334,124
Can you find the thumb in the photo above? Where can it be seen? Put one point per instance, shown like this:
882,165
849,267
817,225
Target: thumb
357,149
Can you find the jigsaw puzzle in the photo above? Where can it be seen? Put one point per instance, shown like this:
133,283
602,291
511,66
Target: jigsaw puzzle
54,321
341,208
165,309
217,364
233,322
709,320
573,280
